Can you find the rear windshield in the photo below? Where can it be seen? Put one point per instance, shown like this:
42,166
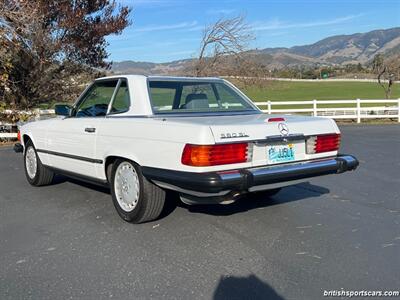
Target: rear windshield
196,96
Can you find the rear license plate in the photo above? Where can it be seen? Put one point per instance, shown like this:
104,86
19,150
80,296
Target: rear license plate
280,153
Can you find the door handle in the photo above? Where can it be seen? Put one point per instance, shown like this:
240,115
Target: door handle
90,129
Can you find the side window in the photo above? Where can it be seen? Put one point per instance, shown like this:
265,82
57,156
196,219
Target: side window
162,98
121,101
230,99
96,100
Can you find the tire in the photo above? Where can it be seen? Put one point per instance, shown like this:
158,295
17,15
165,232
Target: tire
36,173
136,199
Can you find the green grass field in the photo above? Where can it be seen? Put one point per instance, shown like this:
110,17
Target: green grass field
292,91
287,91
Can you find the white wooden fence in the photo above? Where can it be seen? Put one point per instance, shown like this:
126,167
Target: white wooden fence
351,109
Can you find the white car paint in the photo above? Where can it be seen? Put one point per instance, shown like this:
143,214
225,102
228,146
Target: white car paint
158,141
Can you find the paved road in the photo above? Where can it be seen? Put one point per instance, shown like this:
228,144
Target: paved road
65,240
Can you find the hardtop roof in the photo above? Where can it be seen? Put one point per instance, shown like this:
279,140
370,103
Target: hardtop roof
162,78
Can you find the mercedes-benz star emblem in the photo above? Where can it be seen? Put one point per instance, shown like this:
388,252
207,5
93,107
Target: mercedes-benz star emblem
283,128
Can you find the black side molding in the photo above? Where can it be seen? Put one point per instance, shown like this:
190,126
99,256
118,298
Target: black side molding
87,159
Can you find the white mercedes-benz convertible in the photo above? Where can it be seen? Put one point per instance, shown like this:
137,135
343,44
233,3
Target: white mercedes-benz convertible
200,137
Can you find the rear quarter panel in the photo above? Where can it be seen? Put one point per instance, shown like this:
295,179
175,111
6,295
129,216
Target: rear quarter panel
148,141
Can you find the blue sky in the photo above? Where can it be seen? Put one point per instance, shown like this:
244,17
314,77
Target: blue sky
166,30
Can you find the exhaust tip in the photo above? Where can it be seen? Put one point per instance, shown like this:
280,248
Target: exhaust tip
227,199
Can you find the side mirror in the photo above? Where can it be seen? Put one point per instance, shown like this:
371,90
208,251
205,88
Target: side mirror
62,110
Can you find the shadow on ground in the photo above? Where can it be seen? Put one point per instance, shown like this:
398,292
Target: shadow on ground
244,288
248,202
171,203
258,200
60,179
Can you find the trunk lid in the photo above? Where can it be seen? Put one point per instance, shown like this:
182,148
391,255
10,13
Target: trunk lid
275,142
258,130
257,127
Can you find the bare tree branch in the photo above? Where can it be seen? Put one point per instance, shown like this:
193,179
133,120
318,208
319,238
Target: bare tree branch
223,38
387,71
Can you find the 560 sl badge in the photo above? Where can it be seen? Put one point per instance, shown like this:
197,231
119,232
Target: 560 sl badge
232,135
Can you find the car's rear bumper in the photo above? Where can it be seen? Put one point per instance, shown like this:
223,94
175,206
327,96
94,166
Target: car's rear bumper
18,148
242,180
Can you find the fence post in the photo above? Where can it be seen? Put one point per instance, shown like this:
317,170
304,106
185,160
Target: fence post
315,108
398,110
269,107
358,111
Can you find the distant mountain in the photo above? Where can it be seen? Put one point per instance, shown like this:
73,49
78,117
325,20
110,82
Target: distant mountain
355,48
149,68
334,50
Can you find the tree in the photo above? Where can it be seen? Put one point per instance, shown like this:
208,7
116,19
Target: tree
48,45
387,71
222,41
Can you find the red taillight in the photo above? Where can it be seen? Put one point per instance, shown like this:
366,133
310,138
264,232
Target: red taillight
323,143
276,120
19,135
212,155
